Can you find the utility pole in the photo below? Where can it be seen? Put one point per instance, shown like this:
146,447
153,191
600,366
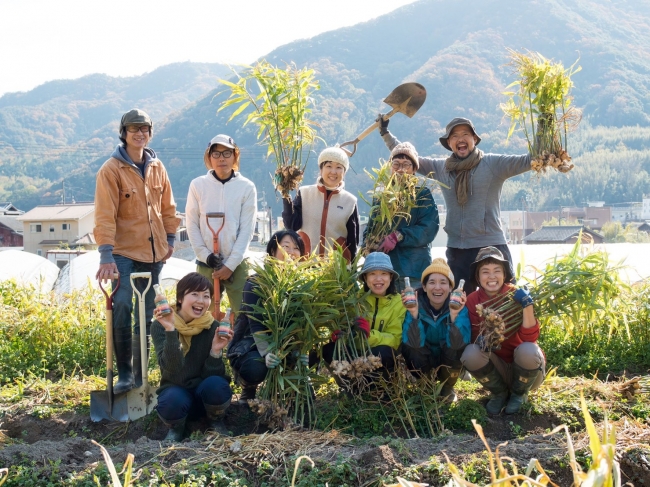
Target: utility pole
63,193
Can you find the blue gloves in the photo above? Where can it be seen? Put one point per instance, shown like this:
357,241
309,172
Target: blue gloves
271,360
523,297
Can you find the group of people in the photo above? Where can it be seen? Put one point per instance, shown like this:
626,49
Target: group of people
135,227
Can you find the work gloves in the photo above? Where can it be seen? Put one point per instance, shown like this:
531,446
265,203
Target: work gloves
388,243
362,324
215,261
301,357
456,340
271,360
523,297
336,335
383,124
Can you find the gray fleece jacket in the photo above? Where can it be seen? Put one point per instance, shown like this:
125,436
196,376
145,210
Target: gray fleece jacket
478,223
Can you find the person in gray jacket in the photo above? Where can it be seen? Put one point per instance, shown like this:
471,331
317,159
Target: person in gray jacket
471,185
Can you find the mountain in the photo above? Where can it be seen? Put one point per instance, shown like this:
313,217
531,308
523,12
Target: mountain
55,129
458,51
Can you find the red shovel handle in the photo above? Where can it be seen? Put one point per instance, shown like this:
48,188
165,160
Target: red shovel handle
109,297
216,312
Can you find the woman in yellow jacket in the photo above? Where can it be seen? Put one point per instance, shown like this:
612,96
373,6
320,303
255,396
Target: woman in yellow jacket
383,323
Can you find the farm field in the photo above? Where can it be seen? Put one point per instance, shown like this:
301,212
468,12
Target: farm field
52,358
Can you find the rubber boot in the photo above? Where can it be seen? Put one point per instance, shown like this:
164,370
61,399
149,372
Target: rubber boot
176,429
522,381
490,379
248,392
137,360
216,414
122,345
450,376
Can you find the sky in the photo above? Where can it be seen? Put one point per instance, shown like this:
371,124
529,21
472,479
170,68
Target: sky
43,40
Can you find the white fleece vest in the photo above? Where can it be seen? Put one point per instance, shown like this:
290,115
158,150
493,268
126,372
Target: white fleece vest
324,219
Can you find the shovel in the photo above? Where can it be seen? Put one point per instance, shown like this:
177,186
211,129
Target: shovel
407,98
141,400
103,404
216,312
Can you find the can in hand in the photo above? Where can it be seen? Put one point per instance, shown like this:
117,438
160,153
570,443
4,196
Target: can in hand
224,324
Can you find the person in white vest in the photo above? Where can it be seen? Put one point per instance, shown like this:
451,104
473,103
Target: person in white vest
222,189
325,212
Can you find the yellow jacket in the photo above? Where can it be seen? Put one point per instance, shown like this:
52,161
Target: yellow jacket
131,212
386,318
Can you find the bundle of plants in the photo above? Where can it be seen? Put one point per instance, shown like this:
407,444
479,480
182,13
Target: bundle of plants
542,109
295,306
280,103
393,196
580,287
353,363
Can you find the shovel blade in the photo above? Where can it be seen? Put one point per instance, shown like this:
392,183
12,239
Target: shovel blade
141,401
407,98
100,407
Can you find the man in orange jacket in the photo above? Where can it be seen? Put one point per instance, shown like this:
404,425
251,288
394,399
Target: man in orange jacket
135,228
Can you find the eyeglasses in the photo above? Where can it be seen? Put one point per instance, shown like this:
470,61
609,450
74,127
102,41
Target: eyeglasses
407,164
134,129
217,154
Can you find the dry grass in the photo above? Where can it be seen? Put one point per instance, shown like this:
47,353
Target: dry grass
233,453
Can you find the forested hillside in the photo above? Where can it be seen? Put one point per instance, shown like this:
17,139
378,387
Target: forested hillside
456,50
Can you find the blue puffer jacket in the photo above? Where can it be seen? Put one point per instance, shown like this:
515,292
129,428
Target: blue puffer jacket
413,254
430,332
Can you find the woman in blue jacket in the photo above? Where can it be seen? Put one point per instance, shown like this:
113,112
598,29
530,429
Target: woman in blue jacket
434,335
409,245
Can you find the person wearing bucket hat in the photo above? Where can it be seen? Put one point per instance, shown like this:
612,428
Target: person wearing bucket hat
325,213
435,335
518,365
471,184
409,244
382,325
223,189
135,229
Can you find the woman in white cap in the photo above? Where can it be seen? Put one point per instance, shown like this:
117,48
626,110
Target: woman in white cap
223,189
325,212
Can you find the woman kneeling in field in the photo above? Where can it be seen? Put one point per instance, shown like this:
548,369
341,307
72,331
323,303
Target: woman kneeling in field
517,365
189,344
382,326
434,334
249,354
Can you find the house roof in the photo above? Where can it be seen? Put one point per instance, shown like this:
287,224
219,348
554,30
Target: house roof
557,233
7,206
52,242
11,222
88,239
58,212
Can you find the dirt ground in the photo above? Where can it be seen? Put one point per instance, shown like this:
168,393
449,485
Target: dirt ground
66,438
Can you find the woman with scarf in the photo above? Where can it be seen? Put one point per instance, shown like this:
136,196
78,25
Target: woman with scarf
325,213
189,346
471,183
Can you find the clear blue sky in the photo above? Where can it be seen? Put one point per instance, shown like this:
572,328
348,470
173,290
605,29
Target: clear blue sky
42,40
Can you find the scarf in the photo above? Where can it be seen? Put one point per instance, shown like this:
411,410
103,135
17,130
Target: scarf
463,168
187,330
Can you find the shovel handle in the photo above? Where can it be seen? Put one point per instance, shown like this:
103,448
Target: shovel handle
144,358
365,134
109,297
